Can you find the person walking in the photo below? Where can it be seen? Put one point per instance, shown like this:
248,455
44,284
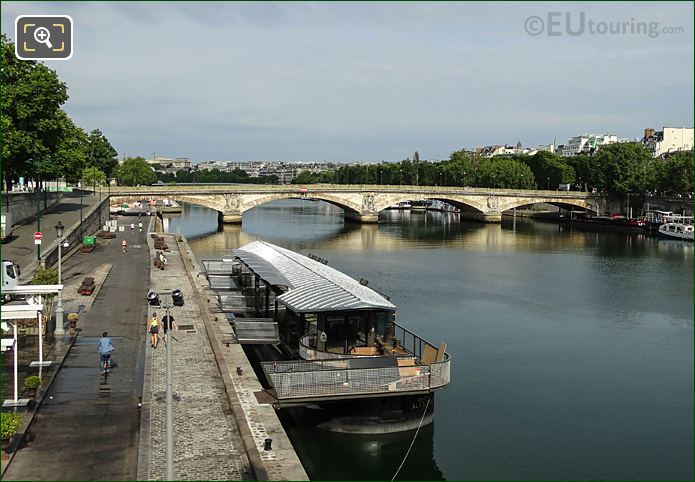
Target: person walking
168,323
124,245
140,226
153,330
105,347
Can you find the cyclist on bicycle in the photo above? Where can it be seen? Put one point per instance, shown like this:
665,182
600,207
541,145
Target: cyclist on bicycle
104,348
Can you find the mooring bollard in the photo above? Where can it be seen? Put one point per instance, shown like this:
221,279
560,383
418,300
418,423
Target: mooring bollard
268,444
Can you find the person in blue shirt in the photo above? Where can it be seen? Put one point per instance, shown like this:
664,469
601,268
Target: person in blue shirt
105,348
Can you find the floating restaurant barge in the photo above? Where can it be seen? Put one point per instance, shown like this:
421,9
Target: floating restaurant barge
326,342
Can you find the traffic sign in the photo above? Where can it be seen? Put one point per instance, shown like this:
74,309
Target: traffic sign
37,237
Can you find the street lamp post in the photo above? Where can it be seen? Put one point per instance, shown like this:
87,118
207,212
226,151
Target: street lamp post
59,309
547,186
464,178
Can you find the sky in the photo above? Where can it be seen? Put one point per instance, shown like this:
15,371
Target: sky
366,82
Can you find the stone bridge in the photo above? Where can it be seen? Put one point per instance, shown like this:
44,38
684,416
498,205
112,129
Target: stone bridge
360,202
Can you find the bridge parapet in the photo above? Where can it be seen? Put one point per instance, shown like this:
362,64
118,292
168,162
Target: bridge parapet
360,202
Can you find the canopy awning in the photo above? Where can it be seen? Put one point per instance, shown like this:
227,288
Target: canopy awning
312,286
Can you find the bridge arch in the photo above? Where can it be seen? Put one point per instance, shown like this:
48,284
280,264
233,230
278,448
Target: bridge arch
506,203
345,204
459,201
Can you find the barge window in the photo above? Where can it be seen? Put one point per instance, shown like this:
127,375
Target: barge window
384,326
311,328
357,330
334,326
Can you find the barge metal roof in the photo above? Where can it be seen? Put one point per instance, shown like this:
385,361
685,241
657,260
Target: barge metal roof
312,286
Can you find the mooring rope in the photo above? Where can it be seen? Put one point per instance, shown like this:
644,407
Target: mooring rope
414,437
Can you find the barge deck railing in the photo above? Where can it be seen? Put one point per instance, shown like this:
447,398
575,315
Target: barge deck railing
317,380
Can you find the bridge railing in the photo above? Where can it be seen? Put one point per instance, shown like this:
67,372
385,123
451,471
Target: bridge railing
295,188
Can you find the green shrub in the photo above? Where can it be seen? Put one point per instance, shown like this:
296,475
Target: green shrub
45,276
10,424
32,381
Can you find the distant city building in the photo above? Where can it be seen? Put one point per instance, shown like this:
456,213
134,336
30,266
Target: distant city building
285,171
586,144
546,148
668,140
505,150
170,163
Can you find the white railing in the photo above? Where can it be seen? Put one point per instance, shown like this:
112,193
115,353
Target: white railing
330,379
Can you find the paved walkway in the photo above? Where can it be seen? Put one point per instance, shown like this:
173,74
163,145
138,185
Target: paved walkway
88,427
21,249
258,421
207,442
54,348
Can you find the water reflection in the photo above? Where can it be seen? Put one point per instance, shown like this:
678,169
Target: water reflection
339,456
552,332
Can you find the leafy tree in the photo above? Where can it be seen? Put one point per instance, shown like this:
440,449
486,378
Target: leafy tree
505,173
70,154
549,170
308,177
674,175
30,107
622,168
135,171
91,176
100,153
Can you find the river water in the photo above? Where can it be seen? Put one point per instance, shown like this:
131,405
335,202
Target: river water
572,351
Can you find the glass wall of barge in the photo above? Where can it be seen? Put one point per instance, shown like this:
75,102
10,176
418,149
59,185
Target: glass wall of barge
341,332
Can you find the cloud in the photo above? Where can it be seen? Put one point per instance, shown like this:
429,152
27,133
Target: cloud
361,81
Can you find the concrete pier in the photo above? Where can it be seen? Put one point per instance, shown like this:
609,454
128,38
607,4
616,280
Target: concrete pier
365,218
228,218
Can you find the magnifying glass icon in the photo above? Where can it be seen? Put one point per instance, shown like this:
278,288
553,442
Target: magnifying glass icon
43,36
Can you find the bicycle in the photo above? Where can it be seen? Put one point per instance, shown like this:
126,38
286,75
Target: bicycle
107,364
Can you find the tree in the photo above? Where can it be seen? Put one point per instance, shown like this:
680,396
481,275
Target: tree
135,171
674,175
100,153
91,176
621,169
308,177
70,153
31,121
549,170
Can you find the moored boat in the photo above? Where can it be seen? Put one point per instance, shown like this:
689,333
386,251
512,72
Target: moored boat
419,205
401,205
340,353
676,230
616,222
